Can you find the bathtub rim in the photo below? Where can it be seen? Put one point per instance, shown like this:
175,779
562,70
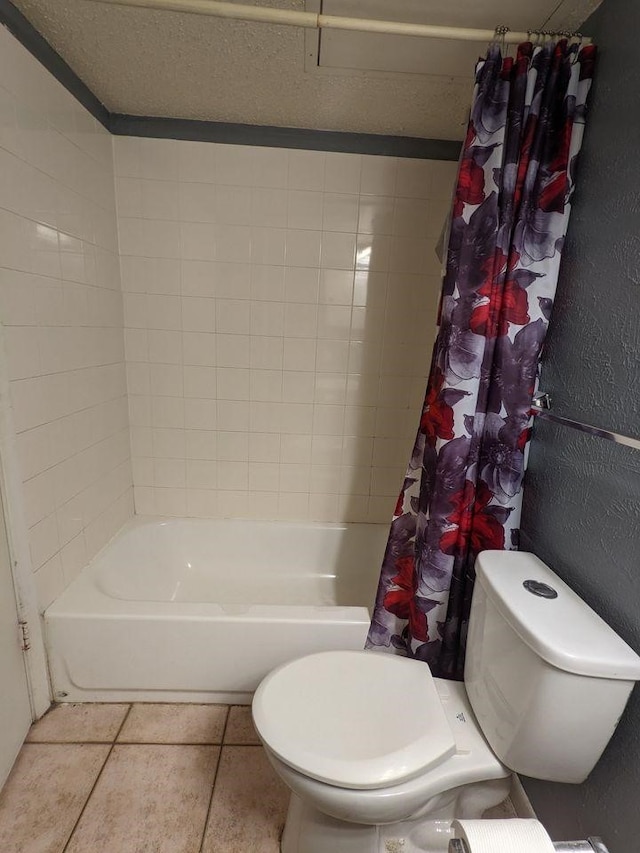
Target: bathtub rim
84,593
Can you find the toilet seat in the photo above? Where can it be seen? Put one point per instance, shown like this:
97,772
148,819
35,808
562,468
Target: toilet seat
354,719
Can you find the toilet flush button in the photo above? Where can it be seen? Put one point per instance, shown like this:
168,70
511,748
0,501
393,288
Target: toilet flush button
543,590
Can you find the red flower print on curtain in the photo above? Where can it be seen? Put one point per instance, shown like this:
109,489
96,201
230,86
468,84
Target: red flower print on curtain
462,491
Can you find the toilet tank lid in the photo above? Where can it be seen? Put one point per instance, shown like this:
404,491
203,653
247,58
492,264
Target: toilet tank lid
563,630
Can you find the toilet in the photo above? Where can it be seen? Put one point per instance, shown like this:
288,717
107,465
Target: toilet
380,756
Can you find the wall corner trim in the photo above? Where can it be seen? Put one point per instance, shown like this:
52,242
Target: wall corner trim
284,137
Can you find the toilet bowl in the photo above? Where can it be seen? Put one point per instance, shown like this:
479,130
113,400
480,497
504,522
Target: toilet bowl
423,759
391,768
379,755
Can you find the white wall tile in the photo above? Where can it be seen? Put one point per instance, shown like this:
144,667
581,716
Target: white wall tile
269,167
298,386
159,199
378,176
268,245
303,248
332,355
197,241
334,321
198,278
166,380
165,347
233,316
340,212
233,165
200,414
50,582
199,381
171,502
201,474
197,202
233,446
233,244
62,313
203,503
233,415
232,280
201,444
306,170
233,350
264,447
199,349
163,312
233,205
196,160
336,287
267,364
342,173
267,283
338,250
267,352
300,354
305,209
269,208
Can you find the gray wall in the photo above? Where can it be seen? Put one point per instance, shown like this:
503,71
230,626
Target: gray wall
582,497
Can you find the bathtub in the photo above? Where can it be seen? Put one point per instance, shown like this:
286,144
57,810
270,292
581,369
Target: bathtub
200,611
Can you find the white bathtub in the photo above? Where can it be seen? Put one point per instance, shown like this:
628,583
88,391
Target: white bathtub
199,611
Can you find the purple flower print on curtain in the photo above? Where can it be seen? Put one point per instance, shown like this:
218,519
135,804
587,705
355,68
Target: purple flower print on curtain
462,491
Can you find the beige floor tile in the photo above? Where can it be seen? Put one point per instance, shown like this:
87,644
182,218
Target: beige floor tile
249,804
82,723
148,798
240,726
174,724
45,793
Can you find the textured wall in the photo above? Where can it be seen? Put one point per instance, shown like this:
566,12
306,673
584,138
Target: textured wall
582,501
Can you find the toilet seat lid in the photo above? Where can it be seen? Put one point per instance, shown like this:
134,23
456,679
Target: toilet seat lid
354,719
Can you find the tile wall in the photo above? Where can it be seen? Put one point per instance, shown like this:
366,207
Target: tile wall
279,313
61,313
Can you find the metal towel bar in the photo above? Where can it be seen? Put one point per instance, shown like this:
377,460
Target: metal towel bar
590,845
541,405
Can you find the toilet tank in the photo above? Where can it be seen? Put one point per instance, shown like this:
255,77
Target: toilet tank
547,678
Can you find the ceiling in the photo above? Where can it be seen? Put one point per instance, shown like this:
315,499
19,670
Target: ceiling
156,63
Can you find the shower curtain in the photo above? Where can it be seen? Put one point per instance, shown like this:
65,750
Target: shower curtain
462,491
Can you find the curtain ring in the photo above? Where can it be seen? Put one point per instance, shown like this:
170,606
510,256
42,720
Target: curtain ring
500,36
575,46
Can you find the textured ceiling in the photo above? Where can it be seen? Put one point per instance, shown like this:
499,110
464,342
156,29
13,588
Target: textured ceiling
146,62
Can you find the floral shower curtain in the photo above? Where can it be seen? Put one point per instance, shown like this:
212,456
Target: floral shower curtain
463,486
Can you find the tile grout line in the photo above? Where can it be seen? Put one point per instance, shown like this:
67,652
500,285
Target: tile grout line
98,777
215,778
138,742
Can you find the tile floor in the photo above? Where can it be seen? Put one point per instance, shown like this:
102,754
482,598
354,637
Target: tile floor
145,779
132,778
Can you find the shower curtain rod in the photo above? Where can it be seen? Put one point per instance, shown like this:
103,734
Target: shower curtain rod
314,20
